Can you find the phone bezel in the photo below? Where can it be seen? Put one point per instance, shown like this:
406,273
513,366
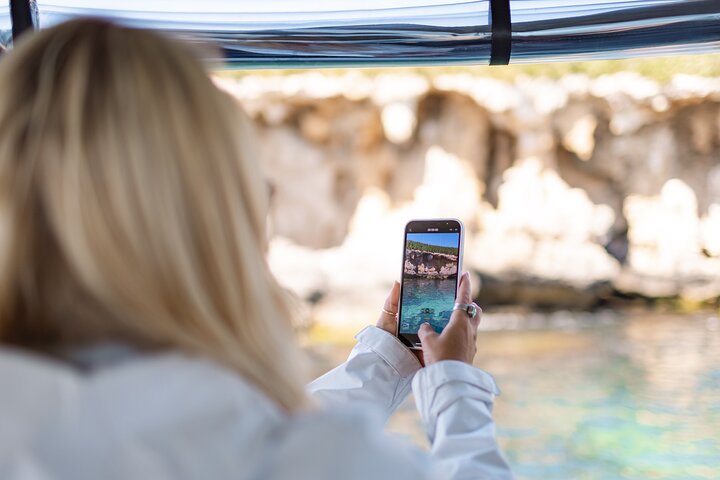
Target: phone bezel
412,341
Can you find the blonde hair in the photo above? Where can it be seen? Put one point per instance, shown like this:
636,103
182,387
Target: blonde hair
132,208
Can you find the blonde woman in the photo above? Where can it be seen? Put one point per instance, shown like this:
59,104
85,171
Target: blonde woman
142,335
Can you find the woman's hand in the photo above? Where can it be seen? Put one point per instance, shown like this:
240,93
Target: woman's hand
458,341
388,317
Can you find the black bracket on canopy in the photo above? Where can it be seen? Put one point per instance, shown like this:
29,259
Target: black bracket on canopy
501,42
23,14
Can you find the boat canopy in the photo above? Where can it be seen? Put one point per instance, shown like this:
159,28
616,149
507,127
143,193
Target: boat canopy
332,33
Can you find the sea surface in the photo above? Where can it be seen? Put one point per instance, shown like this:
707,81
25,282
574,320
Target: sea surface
427,300
596,396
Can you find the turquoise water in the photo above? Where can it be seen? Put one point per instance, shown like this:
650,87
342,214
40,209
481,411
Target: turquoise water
426,300
599,396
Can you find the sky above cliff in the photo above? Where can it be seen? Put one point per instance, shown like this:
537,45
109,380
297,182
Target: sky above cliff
437,239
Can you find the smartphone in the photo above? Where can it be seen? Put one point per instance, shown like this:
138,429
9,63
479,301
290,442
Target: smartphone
431,268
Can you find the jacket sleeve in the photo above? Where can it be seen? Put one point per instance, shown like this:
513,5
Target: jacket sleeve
455,402
377,375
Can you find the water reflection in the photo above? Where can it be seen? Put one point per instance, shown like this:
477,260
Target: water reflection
634,398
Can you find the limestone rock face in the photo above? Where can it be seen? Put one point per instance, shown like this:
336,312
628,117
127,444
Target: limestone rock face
430,265
570,190
669,250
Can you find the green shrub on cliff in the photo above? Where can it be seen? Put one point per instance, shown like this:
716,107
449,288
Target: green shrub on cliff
411,245
661,69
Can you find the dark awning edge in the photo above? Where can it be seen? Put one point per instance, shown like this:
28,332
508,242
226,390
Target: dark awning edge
420,32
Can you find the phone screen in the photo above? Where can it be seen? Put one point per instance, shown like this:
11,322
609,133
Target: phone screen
431,262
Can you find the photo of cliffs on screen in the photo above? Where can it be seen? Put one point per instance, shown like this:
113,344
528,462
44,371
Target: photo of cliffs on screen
429,280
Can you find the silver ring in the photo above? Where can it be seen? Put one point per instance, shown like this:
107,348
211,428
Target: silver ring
470,308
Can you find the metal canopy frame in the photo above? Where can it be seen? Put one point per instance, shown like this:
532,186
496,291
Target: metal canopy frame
23,17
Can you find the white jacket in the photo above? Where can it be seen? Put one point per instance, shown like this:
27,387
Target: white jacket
174,417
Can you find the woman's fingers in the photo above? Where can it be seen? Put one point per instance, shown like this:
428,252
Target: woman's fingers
388,320
464,293
391,302
426,334
457,341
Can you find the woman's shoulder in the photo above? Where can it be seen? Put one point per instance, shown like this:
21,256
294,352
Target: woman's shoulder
161,412
184,417
172,383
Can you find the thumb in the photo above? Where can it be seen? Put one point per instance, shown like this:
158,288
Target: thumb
464,293
391,302
426,334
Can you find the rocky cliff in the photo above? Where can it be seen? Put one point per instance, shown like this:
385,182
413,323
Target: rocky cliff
430,265
572,191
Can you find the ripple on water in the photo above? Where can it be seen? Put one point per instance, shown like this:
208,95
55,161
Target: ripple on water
623,398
